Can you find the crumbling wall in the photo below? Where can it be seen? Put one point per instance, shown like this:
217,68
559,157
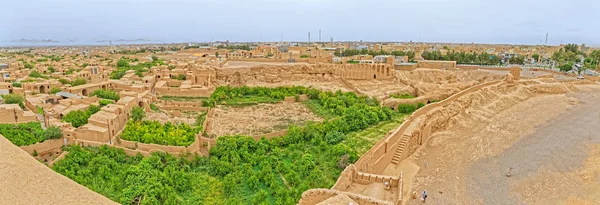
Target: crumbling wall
315,196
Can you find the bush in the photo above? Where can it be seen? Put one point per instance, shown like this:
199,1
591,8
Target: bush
138,114
53,132
403,96
35,154
78,118
154,132
304,56
178,77
13,99
78,81
36,74
54,90
406,108
105,102
106,94
334,137
154,108
23,134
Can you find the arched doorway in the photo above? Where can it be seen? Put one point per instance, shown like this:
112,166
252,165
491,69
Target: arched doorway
103,87
42,89
84,92
374,76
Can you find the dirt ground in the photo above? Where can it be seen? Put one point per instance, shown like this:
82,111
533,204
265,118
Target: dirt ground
187,117
24,180
258,119
549,143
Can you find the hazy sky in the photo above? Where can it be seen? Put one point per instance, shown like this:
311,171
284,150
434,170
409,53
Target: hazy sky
479,21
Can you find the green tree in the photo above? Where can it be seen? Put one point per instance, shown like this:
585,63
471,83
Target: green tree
53,132
106,94
536,57
137,114
14,99
54,90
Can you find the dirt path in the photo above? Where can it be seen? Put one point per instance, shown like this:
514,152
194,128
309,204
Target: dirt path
549,165
548,140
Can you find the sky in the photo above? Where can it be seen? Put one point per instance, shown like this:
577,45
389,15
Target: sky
172,21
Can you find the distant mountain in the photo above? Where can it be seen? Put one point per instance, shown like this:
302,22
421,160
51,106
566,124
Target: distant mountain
34,41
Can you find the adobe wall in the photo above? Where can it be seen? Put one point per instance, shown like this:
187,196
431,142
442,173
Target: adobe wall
44,147
437,64
315,196
406,67
379,156
183,92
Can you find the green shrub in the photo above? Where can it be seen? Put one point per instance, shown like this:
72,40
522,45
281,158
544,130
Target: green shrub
334,137
78,118
36,74
154,108
138,114
53,132
79,81
54,90
13,99
35,154
154,132
304,56
105,102
402,96
17,85
106,94
23,134
406,108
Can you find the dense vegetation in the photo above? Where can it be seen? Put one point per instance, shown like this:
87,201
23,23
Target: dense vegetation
253,95
14,99
106,94
123,65
353,52
570,54
28,133
152,132
239,170
465,58
235,47
76,82
78,118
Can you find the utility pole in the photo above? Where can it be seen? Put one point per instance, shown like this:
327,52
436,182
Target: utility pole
281,36
309,37
319,35
546,42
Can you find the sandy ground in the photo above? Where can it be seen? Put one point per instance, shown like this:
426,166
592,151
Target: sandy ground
242,64
550,142
23,180
187,118
258,119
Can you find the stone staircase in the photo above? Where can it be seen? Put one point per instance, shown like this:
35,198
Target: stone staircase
400,150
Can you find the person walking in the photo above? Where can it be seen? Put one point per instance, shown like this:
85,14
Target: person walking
424,196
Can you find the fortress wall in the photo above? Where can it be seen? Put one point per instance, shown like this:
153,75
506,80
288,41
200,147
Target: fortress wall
379,156
184,92
366,178
315,196
43,147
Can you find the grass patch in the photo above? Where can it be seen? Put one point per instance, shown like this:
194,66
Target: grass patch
316,107
403,96
362,141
